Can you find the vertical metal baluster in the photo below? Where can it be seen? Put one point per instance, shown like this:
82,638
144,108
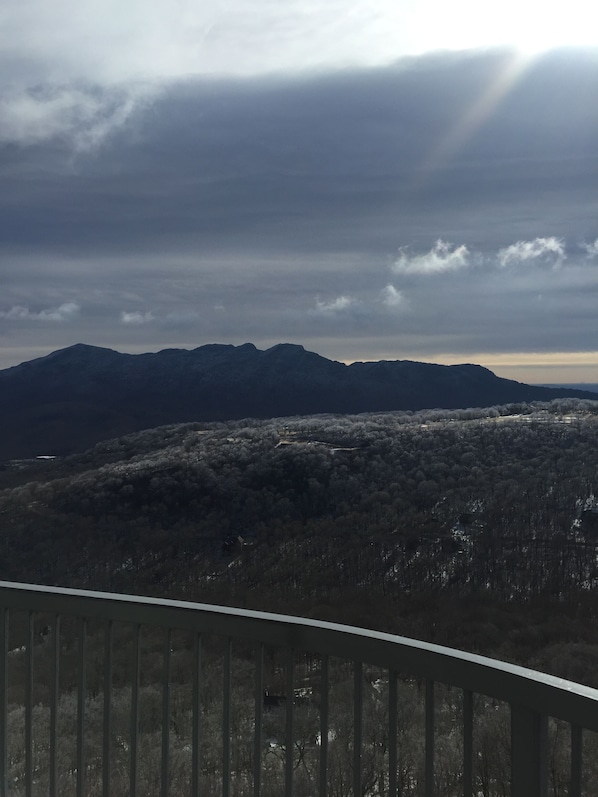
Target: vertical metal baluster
135,709
290,700
81,710
4,703
576,761
392,733
107,741
324,721
529,752
357,725
54,698
258,711
226,719
467,743
29,711
429,765
195,755
166,714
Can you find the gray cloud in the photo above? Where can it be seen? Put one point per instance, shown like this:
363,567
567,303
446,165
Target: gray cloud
331,163
78,73
136,318
181,318
391,297
592,249
540,250
442,256
66,312
83,116
339,305
228,206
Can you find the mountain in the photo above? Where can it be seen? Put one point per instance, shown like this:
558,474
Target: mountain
69,400
591,386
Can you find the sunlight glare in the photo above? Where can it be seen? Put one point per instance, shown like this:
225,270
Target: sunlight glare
531,26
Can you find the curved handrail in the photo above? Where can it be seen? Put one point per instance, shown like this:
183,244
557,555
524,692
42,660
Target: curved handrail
542,693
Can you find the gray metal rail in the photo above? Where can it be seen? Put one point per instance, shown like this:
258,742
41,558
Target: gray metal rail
533,697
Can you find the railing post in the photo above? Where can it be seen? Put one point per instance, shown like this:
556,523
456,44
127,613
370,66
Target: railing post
197,683
576,761
54,703
4,702
290,709
226,719
165,767
135,682
467,743
324,721
529,736
82,695
259,713
392,732
107,741
357,726
29,712
429,744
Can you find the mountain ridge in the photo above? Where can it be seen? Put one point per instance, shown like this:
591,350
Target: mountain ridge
74,397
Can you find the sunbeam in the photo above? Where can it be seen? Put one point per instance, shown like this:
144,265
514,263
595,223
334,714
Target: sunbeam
479,112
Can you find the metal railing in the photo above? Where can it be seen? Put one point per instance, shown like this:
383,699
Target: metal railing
533,697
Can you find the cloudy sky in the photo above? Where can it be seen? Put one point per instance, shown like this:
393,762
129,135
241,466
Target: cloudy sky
398,179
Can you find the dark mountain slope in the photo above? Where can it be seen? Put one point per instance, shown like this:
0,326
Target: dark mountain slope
74,397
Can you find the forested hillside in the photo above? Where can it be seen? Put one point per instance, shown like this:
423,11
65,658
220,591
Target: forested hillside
76,397
435,524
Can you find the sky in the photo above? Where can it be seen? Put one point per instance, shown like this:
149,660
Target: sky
372,179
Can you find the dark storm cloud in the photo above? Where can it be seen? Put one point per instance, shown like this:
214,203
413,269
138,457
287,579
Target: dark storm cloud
273,208
327,162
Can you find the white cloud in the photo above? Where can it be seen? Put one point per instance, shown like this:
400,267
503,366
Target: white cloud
338,305
65,312
549,251
592,249
391,297
136,318
78,51
111,41
442,257
83,116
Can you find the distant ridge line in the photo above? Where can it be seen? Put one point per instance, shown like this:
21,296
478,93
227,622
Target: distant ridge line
72,398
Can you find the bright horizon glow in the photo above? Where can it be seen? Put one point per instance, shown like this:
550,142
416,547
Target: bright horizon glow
534,368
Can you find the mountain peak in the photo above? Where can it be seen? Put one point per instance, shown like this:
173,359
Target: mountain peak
75,397
78,352
78,348
285,348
